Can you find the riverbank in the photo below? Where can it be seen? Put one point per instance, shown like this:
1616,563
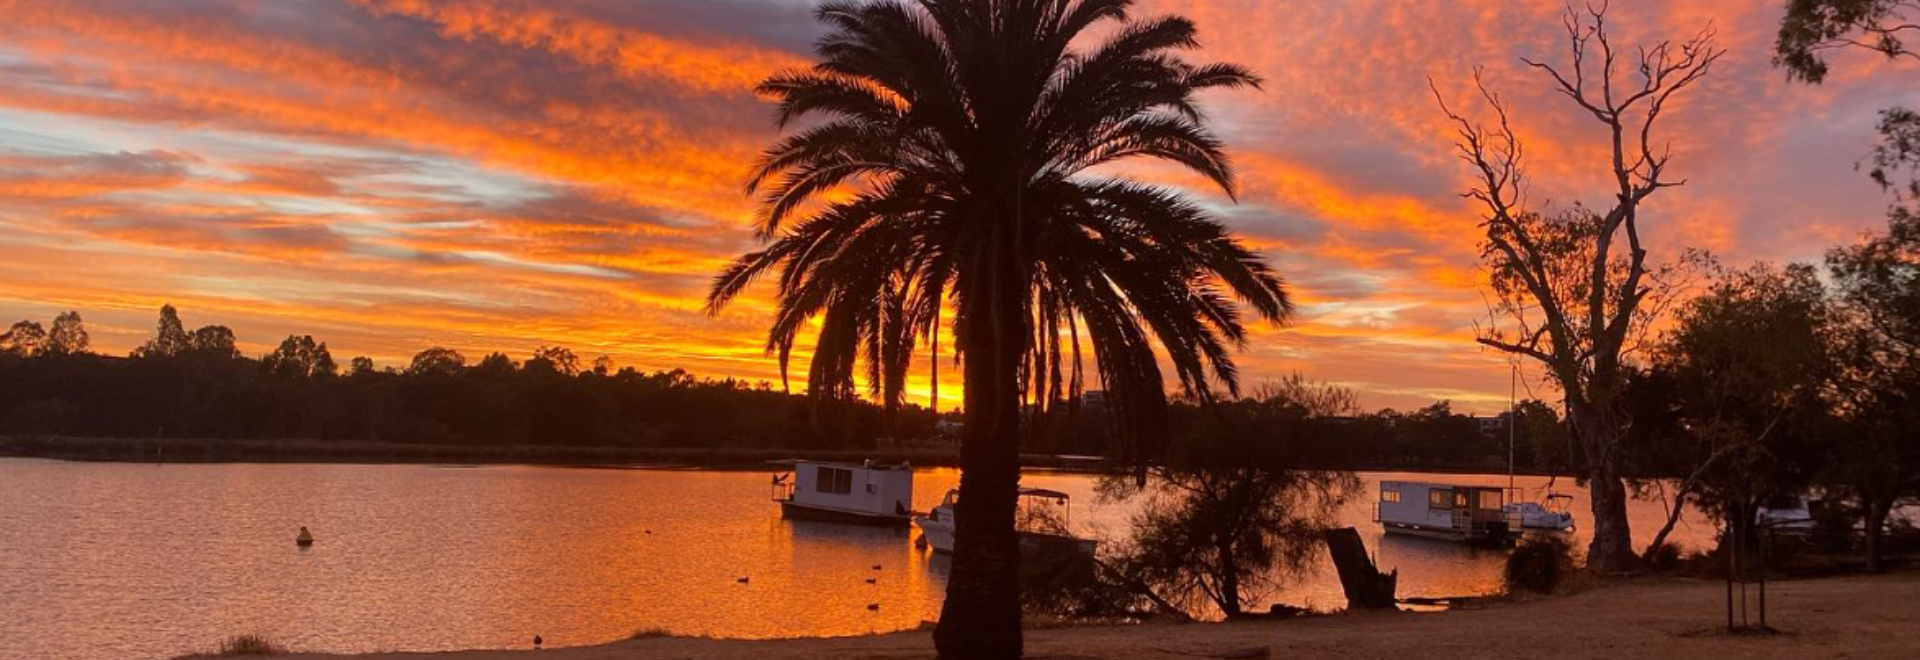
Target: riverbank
1851,617
195,450
202,450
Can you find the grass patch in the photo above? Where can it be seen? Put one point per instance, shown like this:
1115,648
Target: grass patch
649,633
250,645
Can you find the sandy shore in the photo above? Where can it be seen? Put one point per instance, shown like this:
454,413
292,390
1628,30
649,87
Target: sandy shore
1855,617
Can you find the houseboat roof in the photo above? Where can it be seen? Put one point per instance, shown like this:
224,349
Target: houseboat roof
1440,484
1042,492
867,465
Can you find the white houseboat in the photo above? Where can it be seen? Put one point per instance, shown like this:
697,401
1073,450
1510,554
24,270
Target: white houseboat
1444,511
867,493
1042,520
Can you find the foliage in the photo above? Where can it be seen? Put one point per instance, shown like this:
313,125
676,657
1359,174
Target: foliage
68,336
556,359
169,339
299,356
1539,563
1811,28
437,360
250,645
210,391
213,341
1231,512
1574,290
1662,556
1748,365
1877,291
24,339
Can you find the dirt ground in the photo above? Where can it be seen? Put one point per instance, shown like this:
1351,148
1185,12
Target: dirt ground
1853,617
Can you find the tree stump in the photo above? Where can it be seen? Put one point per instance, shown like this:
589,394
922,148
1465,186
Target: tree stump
1366,586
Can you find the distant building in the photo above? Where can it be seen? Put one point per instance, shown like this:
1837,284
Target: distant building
1495,426
948,428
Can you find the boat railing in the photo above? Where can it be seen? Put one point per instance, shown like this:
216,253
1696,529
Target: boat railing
782,487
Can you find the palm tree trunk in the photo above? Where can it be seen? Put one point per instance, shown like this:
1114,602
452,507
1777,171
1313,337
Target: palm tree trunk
980,619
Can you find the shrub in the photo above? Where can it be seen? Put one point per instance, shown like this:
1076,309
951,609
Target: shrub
1539,563
249,645
1663,557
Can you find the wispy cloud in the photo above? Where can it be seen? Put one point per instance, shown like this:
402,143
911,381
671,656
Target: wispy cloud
498,174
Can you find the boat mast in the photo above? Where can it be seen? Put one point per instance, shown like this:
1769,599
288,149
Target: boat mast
1513,419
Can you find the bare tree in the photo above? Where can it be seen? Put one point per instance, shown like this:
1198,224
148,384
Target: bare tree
1565,293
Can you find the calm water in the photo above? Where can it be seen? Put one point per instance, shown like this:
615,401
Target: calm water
118,560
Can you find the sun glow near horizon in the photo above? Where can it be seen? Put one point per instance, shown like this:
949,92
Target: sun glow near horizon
389,175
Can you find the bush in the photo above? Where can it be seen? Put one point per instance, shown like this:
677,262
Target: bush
1539,564
249,645
1663,557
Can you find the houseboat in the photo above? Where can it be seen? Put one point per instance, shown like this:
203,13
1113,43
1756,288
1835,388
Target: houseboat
1042,521
869,493
1473,514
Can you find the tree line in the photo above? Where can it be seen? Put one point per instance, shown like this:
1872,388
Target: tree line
197,384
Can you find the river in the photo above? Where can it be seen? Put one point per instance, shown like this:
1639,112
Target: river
128,560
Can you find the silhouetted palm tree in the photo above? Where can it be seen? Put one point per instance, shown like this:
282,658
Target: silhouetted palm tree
950,160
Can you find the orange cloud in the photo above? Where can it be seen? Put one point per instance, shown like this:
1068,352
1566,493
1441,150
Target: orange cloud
499,174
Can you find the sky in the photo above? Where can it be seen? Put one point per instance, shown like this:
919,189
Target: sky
389,175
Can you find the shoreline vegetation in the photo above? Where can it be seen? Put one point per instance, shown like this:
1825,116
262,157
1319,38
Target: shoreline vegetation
1854,616
206,450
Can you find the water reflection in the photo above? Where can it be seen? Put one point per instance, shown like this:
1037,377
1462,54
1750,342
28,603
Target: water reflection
104,560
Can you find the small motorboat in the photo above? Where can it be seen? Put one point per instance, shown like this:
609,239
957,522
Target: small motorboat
1789,514
1041,522
304,539
1553,514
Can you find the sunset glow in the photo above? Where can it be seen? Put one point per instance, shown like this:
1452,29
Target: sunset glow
389,175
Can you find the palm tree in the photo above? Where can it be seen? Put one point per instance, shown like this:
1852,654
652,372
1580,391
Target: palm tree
951,159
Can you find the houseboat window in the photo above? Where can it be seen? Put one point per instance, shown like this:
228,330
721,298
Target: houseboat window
1440,499
838,481
1460,500
1389,496
1490,500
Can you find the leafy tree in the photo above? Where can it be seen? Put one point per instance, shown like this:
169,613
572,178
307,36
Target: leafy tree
361,365
1749,363
557,359
299,356
603,365
1877,283
69,335
1812,28
323,364
966,131
1235,506
1567,293
437,360
169,340
496,363
1543,435
213,340
24,339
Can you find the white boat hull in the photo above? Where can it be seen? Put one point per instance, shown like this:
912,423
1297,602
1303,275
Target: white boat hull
937,534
